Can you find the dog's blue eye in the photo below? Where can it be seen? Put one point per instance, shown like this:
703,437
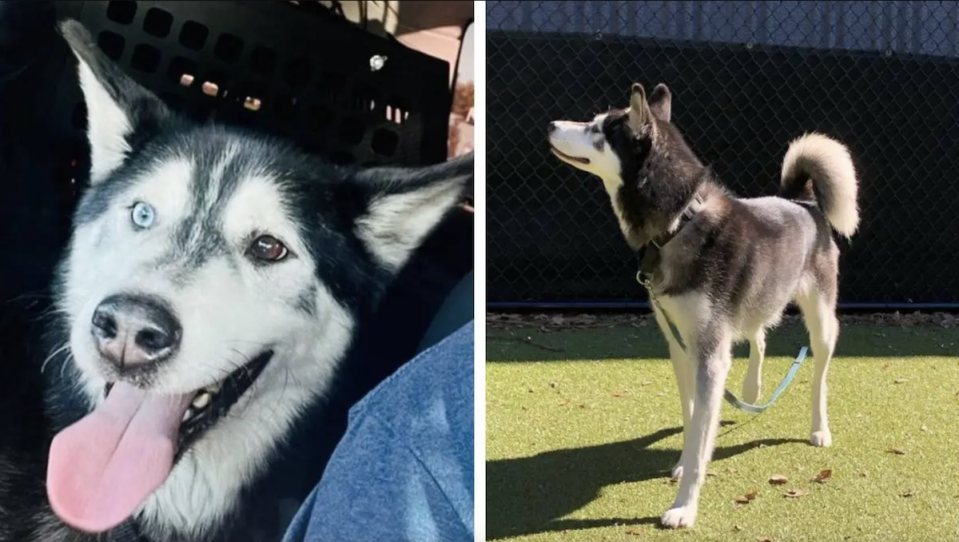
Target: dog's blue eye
143,215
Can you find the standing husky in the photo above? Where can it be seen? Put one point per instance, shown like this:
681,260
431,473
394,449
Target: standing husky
723,268
213,282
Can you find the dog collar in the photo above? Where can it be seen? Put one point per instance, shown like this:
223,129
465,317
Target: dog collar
688,214
649,259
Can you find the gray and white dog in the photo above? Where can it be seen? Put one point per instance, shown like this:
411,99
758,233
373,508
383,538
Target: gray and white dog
214,282
723,268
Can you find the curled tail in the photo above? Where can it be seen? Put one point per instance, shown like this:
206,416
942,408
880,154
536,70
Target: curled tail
818,166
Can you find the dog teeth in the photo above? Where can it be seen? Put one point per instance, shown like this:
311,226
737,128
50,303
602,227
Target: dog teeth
202,400
188,414
214,388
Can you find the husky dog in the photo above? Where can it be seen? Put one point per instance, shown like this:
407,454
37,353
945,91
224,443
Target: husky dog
722,268
213,282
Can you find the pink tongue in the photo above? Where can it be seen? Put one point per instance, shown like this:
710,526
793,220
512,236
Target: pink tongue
104,466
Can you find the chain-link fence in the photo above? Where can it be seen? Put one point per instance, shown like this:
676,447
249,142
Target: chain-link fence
747,77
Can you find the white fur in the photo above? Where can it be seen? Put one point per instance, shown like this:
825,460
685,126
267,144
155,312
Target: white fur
577,139
100,260
397,223
830,165
823,330
108,134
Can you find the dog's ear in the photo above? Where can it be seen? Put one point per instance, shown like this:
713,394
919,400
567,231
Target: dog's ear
639,114
120,113
405,204
661,102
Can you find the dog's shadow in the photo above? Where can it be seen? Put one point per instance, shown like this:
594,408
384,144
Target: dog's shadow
530,495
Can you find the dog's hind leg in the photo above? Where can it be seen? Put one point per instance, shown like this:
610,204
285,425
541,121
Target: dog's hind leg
712,353
819,312
752,384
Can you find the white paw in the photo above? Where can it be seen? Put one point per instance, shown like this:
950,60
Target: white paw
752,389
821,438
677,518
678,471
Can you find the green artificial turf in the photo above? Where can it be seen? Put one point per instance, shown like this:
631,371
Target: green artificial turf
583,425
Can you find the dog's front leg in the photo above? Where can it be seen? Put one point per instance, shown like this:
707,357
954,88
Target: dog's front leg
685,373
712,352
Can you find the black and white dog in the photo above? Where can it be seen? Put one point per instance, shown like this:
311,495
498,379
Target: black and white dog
722,268
213,283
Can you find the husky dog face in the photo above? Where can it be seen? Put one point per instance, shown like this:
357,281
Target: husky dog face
613,140
648,170
215,278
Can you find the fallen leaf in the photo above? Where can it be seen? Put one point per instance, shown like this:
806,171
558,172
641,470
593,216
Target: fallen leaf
895,451
907,494
617,393
777,480
763,539
731,470
552,385
583,406
529,390
565,402
747,498
795,493
737,528
899,380
647,382
710,473
634,532
822,476
925,429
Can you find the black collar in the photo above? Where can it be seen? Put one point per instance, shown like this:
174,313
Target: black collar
648,254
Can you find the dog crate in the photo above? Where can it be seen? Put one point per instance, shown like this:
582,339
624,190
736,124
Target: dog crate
295,70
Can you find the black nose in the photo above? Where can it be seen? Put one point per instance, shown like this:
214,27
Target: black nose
133,330
551,128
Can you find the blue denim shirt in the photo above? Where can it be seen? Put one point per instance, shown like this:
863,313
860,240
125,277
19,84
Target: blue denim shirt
404,469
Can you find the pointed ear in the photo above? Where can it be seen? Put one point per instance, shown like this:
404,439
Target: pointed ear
661,102
405,204
120,113
638,109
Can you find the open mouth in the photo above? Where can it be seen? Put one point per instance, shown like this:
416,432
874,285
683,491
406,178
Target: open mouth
124,450
212,402
564,156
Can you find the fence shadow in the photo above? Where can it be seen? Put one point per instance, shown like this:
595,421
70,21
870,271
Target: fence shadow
530,495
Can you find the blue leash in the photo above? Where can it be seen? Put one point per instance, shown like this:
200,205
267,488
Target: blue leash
756,409
730,398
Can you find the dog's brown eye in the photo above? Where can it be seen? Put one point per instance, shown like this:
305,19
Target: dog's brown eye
268,249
